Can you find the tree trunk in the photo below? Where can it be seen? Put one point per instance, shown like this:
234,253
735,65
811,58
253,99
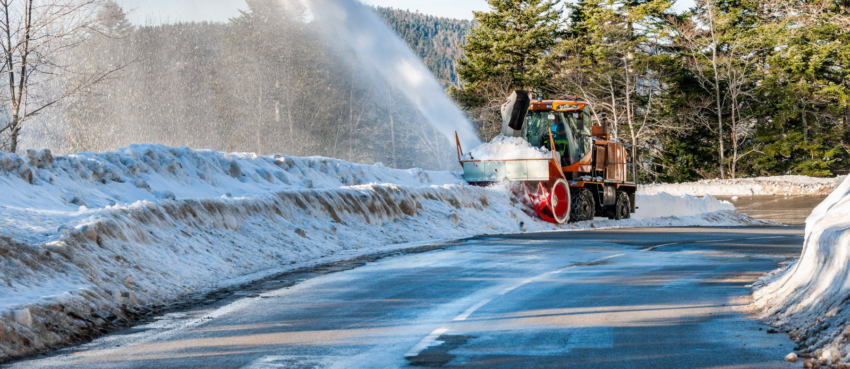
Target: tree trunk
350,119
717,91
613,128
629,110
17,99
13,141
291,122
847,123
734,138
805,128
392,127
258,133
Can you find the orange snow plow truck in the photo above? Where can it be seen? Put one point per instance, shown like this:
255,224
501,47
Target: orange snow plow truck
588,174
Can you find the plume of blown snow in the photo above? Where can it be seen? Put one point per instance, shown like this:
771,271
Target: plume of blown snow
380,50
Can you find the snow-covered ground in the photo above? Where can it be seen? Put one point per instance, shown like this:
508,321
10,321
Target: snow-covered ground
87,240
779,185
809,298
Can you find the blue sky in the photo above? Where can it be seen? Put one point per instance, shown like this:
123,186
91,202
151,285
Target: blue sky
159,11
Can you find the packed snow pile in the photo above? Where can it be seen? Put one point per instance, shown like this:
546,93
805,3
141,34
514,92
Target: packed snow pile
811,298
507,148
780,185
89,240
649,206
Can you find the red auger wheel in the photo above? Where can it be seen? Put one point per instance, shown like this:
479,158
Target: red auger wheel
552,206
560,201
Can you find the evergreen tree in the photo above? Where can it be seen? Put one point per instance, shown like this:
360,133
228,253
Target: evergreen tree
804,92
612,58
512,43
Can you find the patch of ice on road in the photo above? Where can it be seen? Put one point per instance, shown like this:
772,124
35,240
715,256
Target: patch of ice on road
507,148
591,337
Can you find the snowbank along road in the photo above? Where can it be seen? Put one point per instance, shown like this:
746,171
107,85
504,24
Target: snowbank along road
639,298
779,185
90,241
810,299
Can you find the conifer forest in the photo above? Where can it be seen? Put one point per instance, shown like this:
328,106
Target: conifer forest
726,89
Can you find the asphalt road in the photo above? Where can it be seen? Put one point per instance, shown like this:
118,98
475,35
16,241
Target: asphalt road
631,298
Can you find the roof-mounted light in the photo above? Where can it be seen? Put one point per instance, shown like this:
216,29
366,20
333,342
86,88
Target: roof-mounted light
568,107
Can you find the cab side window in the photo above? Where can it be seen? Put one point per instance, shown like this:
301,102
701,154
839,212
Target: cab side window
588,124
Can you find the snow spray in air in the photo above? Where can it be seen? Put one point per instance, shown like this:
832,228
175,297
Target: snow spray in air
378,48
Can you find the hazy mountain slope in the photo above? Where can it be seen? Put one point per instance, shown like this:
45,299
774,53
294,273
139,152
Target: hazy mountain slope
434,39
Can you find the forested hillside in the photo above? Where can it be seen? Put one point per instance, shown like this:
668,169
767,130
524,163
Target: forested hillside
730,89
436,40
258,83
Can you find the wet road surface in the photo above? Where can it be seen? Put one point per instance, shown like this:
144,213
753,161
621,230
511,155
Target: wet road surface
791,210
629,298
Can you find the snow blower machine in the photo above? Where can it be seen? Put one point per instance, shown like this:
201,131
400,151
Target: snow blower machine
588,174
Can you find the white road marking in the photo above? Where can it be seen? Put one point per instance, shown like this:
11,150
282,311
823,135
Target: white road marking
471,310
509,289
657,246
426,342
532,279
431,339
607,257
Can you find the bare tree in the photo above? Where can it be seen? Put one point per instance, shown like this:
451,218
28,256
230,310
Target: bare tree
699,40
620,81
33,36
713,32
739,65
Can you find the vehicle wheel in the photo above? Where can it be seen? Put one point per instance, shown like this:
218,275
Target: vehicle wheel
583,206
623,207
560,201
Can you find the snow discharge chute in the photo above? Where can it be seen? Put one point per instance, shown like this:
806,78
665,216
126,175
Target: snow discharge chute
514,112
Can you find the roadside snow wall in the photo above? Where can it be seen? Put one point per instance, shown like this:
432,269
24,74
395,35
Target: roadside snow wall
779,185
651,206
89,241
811,298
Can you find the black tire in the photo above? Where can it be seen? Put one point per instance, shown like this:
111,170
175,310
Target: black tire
623,207
583,206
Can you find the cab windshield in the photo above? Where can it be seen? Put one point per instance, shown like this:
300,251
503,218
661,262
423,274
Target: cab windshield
570,131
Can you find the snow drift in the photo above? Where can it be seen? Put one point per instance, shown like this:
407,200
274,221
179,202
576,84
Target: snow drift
810,298
87,241
779,185
680,206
